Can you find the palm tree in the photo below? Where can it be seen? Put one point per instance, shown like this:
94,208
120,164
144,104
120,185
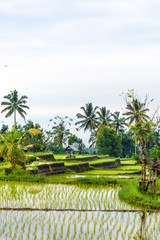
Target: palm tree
136,111
14,105
89,119
60,132
117,122
104,116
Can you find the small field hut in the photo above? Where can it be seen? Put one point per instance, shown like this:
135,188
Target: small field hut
71,149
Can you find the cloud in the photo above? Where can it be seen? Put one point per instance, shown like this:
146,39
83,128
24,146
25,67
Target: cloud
63,54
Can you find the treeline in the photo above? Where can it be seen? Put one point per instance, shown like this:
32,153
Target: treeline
115,134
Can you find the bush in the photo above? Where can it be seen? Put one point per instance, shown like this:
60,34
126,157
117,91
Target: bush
31,159
135,157
154,153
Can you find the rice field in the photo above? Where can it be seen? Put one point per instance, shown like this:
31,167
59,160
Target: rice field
59,196
60,222
78,225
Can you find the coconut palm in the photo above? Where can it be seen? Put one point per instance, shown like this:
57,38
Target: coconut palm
104,116
14,105
117,121
136,111
59,130
89,119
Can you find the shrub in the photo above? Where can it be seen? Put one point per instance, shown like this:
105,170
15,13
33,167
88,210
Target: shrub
154,153
135,157
31,159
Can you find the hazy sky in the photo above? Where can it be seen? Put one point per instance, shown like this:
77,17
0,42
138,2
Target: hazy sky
65,53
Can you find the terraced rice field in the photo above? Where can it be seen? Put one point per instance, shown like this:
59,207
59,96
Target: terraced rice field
57,213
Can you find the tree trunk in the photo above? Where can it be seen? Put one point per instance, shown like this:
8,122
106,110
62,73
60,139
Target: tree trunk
14,116
143,156
135,147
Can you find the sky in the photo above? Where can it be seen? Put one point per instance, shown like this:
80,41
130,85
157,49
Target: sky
63,54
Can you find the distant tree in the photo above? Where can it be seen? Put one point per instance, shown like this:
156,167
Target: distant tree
15,104
154,139
77,142
127,144
4,129
104,116
59,130
108,142
117,121
73,139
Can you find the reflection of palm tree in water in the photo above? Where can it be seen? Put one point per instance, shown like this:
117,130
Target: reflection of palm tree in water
142,234
143,222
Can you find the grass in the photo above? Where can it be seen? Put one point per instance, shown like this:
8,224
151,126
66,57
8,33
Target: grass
128,162
131,193
122,170
63,156
38,154
99,161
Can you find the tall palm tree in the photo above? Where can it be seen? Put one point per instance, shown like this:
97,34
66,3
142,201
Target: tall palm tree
117,121
136,111
89,119
14,105
104,116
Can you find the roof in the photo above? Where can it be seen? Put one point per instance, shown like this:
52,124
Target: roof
71,148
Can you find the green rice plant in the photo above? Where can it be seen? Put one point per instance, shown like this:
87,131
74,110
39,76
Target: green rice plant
55,231
10,229
88,223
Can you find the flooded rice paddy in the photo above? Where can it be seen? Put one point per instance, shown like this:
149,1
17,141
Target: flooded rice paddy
63,218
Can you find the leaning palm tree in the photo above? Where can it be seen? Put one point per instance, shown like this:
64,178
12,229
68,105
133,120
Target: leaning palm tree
117,122
14,105
104,116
